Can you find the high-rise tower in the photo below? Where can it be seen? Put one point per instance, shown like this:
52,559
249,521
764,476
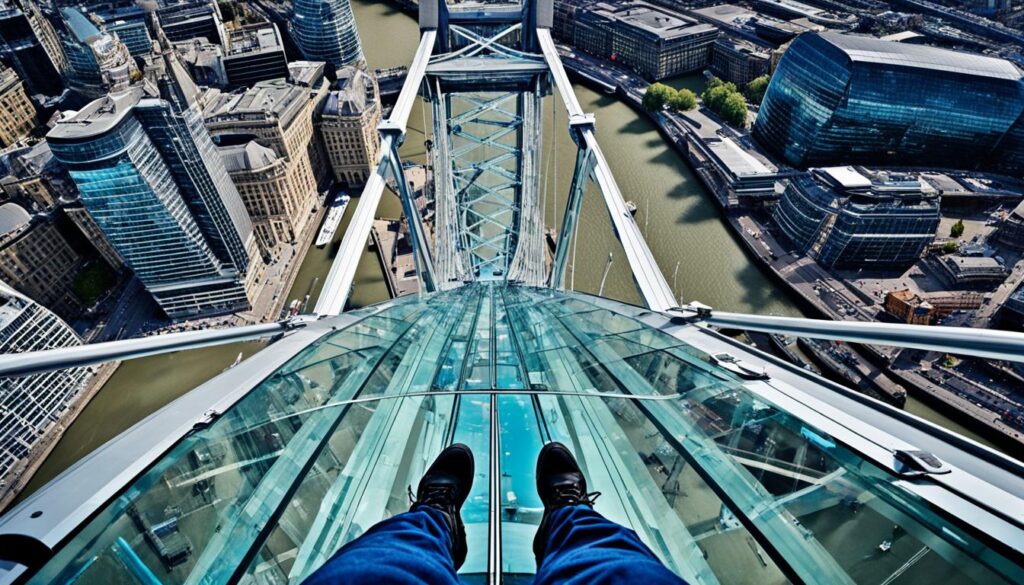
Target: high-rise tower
148,174
325,30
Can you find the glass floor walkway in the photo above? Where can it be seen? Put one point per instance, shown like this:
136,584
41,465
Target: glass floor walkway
728,480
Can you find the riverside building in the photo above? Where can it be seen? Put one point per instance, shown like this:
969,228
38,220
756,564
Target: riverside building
325,30
655,42
31,405
348,126
279,116
839,99
151,178
852,218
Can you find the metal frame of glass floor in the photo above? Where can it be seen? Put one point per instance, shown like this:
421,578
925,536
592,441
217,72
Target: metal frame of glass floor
303,447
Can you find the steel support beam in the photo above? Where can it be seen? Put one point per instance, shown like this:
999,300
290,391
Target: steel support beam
417,231
983,343
654,289
580,177
37,362
338,284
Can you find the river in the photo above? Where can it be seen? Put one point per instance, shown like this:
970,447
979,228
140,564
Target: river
681,223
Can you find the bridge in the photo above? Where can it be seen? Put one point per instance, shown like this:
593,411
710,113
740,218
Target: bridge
261,473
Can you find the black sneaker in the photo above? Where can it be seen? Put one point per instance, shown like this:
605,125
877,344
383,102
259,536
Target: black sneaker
560,482
445,487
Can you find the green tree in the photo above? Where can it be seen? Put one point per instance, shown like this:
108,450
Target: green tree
683,100
950,247
756,88
656,96
714,97
734,109
957,230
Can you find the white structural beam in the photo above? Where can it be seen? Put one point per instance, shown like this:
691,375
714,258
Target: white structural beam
983,343
338,283
650,281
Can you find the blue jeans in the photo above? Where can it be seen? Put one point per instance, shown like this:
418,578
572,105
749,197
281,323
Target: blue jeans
415,547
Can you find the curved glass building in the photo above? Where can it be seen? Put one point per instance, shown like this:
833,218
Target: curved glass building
325,30
839,99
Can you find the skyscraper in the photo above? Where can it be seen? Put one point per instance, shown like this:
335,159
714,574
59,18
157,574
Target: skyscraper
150,177
325,30
97,61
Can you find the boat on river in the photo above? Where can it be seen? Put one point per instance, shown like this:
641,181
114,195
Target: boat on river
333,219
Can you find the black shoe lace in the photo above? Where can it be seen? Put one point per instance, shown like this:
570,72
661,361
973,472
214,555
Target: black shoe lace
437,496
572,495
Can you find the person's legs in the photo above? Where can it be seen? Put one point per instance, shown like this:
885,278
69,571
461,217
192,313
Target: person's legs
575,544
427,544
412,547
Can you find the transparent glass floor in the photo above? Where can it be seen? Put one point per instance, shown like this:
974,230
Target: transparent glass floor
724,486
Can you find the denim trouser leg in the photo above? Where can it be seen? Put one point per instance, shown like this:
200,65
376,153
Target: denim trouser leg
412,547
585,547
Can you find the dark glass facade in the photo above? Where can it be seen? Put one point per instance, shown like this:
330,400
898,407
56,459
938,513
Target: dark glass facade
837,99
856,230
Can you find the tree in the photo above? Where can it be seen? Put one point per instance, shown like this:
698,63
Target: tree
957,230
656,96
950,246
714,97
683,100
756,88
734,110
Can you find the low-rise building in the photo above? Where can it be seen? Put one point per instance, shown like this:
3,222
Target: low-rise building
972,271
906,306
36,260
191,19
656,42
30,405
1011,231
254,53
847,217
348,127
205,61
739,61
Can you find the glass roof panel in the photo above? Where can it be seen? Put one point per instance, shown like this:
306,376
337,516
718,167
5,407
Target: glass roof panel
724,486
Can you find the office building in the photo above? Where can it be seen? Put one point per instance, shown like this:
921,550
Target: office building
852,218
325,30
127,22
36,259
742,23
654,41
348,127
17,114
1011,231
31,405
839,99
204,60
908,307
29,45
98,63
269,192
278,115
151,178
974,272
738,61
312,75
186,20
254,53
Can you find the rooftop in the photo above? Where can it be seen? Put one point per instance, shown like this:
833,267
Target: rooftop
864,49
250,156
97,117
254,38
354,94
13,217
275,97
655,20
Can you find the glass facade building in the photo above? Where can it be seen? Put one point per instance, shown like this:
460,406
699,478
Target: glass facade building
165,213
325,30
724,483
30,405
838,99
860,226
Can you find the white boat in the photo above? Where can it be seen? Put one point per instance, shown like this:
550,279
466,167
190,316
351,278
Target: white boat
334,215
